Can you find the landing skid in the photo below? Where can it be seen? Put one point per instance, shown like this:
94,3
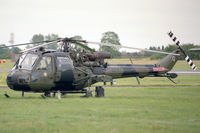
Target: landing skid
99,92
88,93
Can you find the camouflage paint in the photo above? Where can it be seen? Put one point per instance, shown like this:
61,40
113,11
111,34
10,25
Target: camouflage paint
77,77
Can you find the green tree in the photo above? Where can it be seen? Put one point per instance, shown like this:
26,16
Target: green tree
170,48
37,38
185,47
40,37
4,52
192,55
16,50
110,37
50,37
163,47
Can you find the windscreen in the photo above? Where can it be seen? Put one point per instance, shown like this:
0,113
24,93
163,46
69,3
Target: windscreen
27,61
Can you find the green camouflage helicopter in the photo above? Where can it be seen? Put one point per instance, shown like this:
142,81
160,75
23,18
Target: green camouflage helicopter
70,70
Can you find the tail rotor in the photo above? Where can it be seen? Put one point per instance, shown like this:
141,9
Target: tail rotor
187,58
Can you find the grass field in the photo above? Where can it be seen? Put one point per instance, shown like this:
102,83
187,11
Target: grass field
8,64
157,105
121,110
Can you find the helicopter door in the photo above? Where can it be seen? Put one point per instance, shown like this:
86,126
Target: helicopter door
43,74
64,72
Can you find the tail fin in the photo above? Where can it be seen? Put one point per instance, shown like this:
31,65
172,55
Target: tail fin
168,61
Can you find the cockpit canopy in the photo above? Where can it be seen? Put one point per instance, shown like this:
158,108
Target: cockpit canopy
26,61
44,62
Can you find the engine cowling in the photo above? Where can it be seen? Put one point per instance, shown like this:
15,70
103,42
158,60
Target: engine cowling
98,56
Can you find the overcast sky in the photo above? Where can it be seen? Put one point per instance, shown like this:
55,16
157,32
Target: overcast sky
139,23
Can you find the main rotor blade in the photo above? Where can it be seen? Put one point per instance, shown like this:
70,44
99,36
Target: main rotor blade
25,44
120,46
42,45
84,46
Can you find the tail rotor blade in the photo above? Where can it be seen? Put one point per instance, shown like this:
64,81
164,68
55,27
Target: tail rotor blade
187,58
190,62
174,39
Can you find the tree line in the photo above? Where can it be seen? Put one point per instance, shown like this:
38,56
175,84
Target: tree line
169,48
172,47
107,37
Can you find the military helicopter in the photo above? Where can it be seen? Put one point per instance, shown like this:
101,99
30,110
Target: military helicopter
70,70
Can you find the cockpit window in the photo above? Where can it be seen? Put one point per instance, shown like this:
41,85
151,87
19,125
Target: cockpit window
27,61
45,64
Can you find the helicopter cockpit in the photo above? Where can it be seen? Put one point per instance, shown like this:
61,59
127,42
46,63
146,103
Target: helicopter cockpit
26,61
31,69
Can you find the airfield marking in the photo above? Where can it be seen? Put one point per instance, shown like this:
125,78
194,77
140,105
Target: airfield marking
2,78
4,69
185,72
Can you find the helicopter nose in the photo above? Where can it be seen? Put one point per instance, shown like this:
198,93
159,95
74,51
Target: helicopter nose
17,81
11,78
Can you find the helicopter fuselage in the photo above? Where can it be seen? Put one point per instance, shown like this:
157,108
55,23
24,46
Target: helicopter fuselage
53,71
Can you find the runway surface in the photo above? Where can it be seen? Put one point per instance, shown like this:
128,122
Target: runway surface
185,72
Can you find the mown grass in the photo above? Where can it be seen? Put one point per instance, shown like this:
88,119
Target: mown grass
8,64
121,110
157,105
